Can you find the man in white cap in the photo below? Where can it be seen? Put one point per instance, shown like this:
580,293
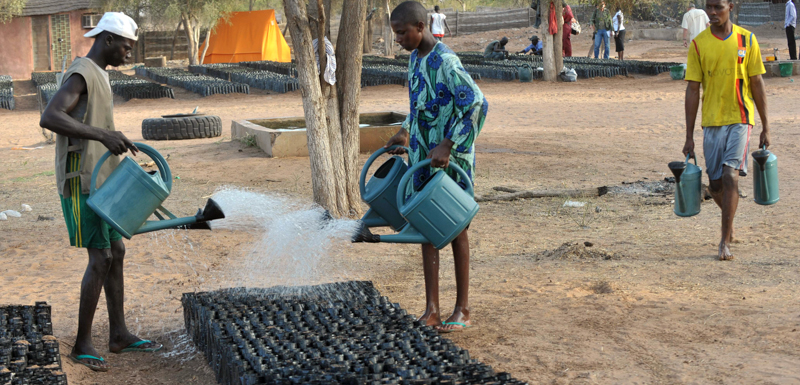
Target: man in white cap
81,115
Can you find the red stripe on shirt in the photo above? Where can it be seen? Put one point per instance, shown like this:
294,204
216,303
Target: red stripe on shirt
739,99
695,47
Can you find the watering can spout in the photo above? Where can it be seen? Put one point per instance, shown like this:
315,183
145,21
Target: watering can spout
362,234
408,235
199,221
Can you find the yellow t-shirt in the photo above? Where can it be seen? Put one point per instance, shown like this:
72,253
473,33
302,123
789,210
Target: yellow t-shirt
724,67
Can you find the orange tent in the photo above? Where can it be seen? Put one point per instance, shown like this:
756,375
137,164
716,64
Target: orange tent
247,36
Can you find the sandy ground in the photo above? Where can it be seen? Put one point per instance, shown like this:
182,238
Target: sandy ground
657,307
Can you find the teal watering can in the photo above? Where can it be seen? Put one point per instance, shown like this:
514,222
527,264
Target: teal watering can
688,187
436,214
381,191
130,195
525,72
765,177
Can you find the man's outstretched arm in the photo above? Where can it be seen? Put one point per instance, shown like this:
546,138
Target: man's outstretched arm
691,105
760,97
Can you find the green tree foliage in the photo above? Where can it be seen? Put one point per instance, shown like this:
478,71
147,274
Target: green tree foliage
10,8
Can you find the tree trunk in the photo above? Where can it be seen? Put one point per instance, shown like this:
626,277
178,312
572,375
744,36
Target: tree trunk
348,76
314,107
558,42
332,102
175,40
205,47
388,35
548,59
189,27
368,37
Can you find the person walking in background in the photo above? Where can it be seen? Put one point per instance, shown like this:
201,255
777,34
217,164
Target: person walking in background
726,60
790,24
619,32
694,21
566,42
438,24
601,22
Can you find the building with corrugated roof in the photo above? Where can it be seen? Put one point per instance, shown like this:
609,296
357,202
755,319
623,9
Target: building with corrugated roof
47,34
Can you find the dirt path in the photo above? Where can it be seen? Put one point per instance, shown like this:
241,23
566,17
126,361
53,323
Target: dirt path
654,307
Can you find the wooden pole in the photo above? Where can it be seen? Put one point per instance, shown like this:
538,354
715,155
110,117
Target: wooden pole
548,57
558,42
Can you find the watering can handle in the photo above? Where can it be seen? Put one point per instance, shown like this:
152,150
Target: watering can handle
163,167
362,180
401,187
689,155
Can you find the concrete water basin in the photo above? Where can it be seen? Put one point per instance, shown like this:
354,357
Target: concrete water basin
285,137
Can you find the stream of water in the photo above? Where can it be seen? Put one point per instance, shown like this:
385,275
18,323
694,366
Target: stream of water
292,244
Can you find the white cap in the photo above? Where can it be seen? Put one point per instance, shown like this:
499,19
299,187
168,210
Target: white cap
117,23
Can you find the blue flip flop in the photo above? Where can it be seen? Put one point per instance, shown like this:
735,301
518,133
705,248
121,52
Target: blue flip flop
96,368
463,327
134,347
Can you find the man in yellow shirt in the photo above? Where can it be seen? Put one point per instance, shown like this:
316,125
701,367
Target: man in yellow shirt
726,60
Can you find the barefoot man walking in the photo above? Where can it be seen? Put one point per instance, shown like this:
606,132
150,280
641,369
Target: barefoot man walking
726,60
81,115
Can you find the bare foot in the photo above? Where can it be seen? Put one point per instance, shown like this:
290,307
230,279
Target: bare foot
430,318
725,252
458,321
116,345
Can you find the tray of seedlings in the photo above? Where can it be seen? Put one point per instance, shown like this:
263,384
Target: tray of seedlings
6,92
129,87
46,92
200,84
29,353
266,80
261,79
374,74
338,333
40,78
289,69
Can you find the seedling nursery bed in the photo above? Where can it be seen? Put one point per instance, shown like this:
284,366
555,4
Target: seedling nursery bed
338,333
28,351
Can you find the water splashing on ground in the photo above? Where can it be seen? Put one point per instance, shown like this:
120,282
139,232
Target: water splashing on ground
293,245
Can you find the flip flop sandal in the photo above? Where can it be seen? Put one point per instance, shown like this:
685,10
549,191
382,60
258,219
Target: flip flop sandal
134,347
96,368
463,327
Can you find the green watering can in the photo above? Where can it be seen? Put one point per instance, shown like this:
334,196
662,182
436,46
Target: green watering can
765,177
381,191
130,195
688,187
525,72
436,214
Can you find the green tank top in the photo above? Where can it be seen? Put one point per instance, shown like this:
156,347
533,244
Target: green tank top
95,109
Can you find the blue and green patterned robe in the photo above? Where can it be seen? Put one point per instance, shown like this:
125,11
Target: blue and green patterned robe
445,103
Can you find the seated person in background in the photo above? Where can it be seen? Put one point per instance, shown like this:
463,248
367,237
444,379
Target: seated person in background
496,49
535,48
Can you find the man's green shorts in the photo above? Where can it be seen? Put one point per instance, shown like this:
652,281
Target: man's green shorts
86,229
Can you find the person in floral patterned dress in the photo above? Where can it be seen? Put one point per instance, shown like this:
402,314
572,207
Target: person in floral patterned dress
447,112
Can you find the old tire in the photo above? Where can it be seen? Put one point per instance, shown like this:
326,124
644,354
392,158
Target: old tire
189,127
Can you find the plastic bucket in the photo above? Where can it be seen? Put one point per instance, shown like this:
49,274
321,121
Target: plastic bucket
786,69
677,72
